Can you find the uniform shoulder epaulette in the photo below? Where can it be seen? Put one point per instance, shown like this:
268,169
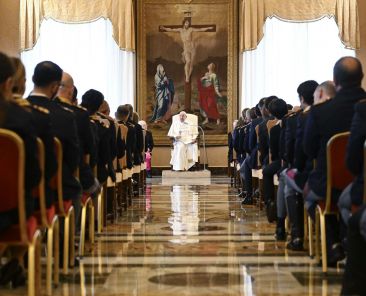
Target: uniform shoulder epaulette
307,110
22,103
40,109
110,118
66,109
81,107
363,101
292,114
103,122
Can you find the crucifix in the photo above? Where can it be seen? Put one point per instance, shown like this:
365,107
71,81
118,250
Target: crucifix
186,31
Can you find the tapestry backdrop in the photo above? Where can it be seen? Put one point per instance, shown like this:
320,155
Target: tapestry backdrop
188,62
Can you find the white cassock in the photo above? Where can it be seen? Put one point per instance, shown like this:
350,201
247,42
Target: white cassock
185,153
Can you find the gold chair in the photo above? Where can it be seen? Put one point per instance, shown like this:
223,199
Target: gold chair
88,205
49,220
308,230
66,210
26,233
338,177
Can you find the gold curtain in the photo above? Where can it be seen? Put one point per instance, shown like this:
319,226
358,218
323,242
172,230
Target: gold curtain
255,12
119,12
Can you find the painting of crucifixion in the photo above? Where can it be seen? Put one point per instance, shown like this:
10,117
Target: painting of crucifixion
188,50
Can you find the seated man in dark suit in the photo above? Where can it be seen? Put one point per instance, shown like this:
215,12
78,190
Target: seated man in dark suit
278,109
19,120
300,166
64,97
251,149
47,79
92,100
43,128
149,146
230,143
324,121
263,139
355,273
353,194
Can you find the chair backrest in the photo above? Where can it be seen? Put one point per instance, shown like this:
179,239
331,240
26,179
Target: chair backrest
258,152
12,162
41,195
338,176
364,173
57,180
270,124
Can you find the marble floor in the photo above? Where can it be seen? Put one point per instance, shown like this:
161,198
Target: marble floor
193,240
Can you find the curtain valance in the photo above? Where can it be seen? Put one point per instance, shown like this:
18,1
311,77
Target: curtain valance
119,12
255,12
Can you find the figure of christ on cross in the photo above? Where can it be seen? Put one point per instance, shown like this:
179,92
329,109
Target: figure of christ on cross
189,50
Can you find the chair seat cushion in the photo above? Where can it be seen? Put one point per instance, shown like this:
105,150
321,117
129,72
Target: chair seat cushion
333,206
12,234
50,213
67,204
85,198
110,182
118,177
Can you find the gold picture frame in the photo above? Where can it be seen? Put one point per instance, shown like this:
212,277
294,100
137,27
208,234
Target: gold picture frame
191,48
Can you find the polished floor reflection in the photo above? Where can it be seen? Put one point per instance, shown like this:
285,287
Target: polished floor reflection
193,240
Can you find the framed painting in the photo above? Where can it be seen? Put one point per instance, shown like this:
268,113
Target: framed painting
188,61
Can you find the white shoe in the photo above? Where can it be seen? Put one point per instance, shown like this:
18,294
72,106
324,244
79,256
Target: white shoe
205,121
218,122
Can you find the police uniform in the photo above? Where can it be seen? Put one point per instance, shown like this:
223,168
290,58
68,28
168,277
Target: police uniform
65,129
86,140
43,129
20,120
102,135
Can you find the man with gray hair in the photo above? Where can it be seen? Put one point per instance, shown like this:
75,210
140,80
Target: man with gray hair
324,92
185,153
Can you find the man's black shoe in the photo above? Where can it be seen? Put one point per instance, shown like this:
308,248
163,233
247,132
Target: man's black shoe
280,235
295,245
8,271
248,200
337,254
241,194
19,278
271,211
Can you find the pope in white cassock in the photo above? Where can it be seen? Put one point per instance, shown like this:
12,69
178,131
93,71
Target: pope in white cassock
185,153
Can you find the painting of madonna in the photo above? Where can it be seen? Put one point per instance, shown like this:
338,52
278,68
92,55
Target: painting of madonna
164,95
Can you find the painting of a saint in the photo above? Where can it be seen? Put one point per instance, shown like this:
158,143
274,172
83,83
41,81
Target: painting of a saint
208,89
164,95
